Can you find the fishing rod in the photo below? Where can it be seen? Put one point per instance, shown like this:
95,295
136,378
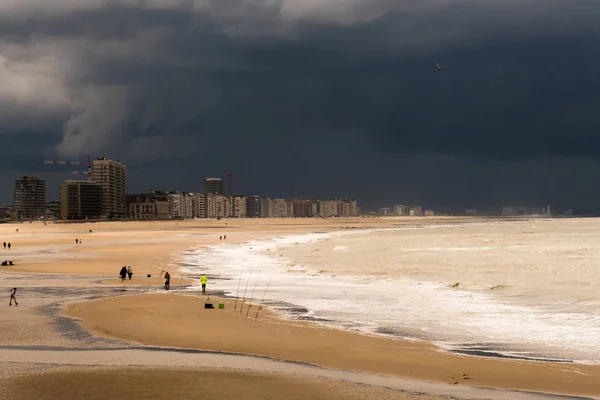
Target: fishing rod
245,291
263,298
237,295
252,295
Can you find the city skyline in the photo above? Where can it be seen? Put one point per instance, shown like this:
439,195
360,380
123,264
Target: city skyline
307,98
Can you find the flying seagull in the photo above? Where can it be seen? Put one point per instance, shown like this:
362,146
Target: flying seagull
439,67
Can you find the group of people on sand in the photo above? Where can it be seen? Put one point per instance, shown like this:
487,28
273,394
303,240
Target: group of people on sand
78,241
6,245
125,272
224,237
7,263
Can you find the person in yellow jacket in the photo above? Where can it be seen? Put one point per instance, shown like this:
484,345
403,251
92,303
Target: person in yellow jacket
203,280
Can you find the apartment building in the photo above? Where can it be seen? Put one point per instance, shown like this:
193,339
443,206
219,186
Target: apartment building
112,177
213,186
30,198
266,207
218,206
253,206
303,208
80,200
199,206
281,208
239,206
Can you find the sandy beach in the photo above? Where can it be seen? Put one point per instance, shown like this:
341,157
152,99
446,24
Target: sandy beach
59,280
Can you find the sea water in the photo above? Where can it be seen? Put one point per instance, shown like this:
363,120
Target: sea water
525,289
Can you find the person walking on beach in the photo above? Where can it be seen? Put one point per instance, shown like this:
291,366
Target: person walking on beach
167,281
129,272
203,280
9,245
123,273
76,241
13,292
4,245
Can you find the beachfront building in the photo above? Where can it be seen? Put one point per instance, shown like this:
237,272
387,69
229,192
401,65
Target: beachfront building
30,198
238,206
265,207
218,206
304,208
152,205
181,205
400,210
213,186
349,208
53,210
112,177
199,205
253,206
80,200
282,208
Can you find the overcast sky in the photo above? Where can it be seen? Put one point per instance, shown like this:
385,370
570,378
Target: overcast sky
324,98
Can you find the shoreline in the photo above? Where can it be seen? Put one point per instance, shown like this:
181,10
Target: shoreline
298,312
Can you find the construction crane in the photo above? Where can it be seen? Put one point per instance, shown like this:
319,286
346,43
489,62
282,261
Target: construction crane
229,179
87,163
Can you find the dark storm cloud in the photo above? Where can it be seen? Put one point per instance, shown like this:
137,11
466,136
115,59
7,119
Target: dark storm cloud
305,99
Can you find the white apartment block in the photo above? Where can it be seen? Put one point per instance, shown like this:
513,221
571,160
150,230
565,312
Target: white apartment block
239,207
174,205
199,206
218,206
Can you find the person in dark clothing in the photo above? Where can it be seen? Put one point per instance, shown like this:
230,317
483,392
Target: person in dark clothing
167,281
76,241
9,245
123,273
4,245
13,292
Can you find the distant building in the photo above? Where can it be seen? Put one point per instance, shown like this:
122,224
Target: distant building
213,186
238,206
384,211
266,207
152,205
53,210
218,206
516,211
429,213
80,200
303,208
281,208
199,205
30,198
253,207
112,177
400,210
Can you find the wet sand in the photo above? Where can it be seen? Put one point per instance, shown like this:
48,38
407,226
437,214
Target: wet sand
186,384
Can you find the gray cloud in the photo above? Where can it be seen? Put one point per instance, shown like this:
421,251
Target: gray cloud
282,90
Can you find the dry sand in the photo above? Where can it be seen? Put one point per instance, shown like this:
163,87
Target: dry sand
168,319
171,320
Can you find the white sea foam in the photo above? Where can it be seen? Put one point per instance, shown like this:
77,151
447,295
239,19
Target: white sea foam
511,288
